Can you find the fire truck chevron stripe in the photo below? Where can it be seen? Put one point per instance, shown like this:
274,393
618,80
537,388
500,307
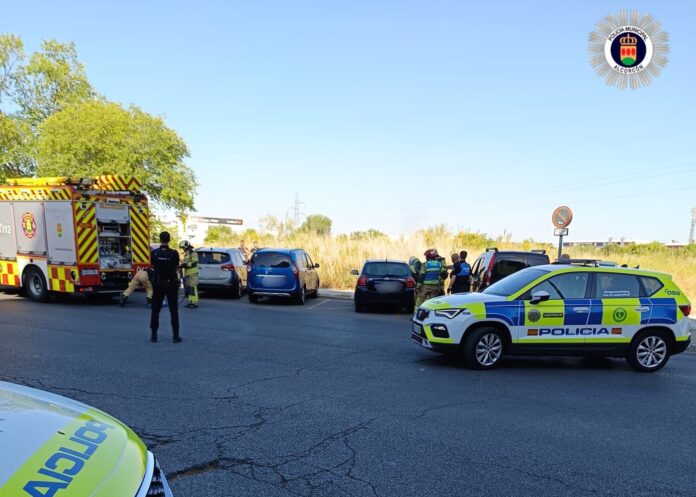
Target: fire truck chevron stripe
86,230
139,235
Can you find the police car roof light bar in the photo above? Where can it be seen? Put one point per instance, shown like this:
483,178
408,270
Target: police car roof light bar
491,249
538,251
580,262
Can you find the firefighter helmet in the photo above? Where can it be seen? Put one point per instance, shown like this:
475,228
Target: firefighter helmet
184,244
430,254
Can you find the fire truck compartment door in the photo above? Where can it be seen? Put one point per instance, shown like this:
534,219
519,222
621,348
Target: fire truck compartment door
60,232
8,244
31,228
113,213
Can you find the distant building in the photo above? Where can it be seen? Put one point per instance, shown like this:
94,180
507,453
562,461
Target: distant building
196,227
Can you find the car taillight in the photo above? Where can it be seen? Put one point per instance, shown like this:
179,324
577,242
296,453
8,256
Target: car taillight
489,273
227,267
295,270
410,282
362,281
686,309
249,268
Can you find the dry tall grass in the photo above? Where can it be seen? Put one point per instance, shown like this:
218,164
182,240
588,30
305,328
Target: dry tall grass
337,255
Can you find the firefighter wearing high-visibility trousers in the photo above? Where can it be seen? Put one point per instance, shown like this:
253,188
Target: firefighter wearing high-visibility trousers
430,278
142,278
190,267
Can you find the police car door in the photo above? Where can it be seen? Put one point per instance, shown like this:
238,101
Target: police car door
617,309
561,320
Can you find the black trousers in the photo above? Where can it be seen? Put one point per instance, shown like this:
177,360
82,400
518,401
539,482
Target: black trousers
171,292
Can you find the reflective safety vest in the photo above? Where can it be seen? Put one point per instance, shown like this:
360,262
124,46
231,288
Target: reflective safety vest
431,273
190,263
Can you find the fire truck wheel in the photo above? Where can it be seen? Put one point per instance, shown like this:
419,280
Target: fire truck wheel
35,285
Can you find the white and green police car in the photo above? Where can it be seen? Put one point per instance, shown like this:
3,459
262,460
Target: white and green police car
574,309
51,446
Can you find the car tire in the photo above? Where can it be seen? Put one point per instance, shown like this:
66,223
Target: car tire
301,296
649,351
360,307
315,293
237,290
35,285
484,348
253,298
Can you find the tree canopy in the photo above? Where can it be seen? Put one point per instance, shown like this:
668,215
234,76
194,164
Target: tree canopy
54,123
317,224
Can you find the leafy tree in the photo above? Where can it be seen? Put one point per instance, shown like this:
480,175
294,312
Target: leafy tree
96,137
219,235
317,224
52,80
52,122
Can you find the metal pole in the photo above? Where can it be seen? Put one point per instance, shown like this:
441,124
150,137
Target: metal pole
560,246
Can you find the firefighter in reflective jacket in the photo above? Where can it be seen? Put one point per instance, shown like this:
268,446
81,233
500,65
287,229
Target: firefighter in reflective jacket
431,277
190,267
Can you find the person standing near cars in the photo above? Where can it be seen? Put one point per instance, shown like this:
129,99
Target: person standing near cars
454,270
165,263
431,277
254,248
461,275
244,250
190,267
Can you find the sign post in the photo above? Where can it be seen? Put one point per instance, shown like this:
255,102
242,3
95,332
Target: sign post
561,218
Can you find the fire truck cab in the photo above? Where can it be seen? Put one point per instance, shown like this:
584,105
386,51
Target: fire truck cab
72,235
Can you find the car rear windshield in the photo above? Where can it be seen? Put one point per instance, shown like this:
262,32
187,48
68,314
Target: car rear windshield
271,259
515,282
213,257
395,269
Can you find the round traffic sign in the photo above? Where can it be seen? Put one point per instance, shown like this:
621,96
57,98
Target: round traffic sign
562,217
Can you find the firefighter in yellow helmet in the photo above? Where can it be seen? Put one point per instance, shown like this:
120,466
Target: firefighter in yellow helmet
190,267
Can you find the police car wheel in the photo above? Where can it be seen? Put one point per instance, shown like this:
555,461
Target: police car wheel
484,348
649,352
35,285
253,298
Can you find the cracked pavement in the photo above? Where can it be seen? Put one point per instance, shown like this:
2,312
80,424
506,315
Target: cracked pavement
279,400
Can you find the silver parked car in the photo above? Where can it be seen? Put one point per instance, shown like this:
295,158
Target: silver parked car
222,269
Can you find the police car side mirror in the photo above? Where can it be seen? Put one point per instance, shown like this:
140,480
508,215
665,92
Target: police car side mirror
355,272
540,296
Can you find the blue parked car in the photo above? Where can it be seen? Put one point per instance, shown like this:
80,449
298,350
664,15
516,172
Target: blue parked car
287,273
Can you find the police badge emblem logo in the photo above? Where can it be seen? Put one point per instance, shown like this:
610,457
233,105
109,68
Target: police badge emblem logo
628,49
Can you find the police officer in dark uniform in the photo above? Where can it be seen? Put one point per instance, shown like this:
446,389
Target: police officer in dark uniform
165,262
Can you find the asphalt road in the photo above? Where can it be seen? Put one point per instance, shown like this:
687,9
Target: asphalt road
279,400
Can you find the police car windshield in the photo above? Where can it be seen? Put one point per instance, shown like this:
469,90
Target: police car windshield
515,282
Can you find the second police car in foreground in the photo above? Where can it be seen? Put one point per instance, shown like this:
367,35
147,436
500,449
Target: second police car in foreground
579,309
51,446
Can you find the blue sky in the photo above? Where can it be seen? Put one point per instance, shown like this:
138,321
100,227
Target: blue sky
396,115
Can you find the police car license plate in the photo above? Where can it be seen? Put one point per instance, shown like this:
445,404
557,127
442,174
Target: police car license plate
416,328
